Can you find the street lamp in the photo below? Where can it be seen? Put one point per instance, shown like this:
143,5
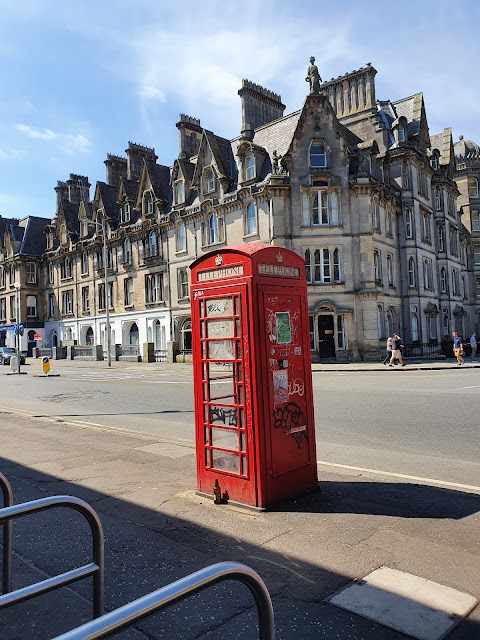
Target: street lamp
17,315
107,292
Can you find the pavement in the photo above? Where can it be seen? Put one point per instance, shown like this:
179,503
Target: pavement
408,552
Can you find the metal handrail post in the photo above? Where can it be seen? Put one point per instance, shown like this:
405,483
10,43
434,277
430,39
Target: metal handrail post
7,536
96,528
125,616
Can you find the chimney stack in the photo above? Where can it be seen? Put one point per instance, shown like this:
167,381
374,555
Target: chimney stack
259,106
116,169
189,136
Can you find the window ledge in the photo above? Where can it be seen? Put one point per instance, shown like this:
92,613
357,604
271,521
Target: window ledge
129,307
158,302
68,279
251,235
86,312
181,252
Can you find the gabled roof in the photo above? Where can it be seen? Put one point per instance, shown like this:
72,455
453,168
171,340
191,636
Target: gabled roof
412,108
129,188
106,196
69,211
34,241
275,136
159,176
222,156
443,142
187,168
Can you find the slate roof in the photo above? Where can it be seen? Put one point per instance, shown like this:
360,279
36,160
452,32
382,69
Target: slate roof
160,178
34,240
187,168
222,152
70,213
130,187
108,196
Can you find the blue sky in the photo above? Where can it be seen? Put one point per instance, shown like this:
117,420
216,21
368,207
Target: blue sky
79,80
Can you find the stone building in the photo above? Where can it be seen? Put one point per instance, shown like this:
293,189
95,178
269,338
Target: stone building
467,176
355,185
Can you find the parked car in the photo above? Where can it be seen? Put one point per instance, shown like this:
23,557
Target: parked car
7,352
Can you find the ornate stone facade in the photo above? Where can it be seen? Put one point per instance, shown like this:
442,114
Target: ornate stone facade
356,186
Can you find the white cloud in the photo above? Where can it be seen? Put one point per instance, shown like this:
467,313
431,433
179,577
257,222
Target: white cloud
75,143
10,154
66,142
151,93
31,132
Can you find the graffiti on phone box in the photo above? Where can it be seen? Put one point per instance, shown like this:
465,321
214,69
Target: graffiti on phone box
291,421
222,415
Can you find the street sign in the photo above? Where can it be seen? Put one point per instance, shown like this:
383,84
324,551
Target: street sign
45,364
37,336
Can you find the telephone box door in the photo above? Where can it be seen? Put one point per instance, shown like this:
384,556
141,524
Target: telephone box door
287,360
224,437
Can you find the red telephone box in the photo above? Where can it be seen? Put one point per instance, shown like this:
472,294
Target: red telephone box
254,422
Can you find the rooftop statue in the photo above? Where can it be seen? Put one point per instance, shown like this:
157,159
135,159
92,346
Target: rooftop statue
313,77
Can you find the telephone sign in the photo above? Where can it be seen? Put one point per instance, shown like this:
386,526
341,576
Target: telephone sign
255,434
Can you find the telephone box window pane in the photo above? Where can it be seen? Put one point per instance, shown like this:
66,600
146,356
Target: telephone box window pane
219,307
205,392
242,441
240,395
220,350
243,461
224,438
223,388
236,302
239,373
226,461
238,329
206,434
224,415
220,329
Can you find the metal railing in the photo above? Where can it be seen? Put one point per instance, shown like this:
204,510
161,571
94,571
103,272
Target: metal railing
94,569
160,355
130,349
7,537
422,350
125,616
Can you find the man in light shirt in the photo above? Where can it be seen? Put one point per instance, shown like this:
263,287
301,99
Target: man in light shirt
473,344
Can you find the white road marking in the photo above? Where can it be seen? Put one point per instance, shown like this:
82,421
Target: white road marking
443,483
475,386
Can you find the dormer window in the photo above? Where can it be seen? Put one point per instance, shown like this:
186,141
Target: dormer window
318,156
249,167
401,133
149,204
209,181
63,234
50,240
125,212
84,227
435,160
179,192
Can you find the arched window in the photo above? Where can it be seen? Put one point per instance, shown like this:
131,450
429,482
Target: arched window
149,209
446,322
152,244
209,181
380,322
249,167
157,335
133,334
472,187
414,323
212,228
308,265
250,219
375,215
443,280
89,339
377,267
127,251
186,335
412,278
401,133
390,322
408,222
318,155
181,237
84,265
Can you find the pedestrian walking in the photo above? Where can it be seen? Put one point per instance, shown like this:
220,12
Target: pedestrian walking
396,351
473,344
389,350
458,348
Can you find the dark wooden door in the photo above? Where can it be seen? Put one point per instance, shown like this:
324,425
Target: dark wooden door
326,338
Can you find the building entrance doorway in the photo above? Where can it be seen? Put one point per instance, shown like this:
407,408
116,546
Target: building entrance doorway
326,336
